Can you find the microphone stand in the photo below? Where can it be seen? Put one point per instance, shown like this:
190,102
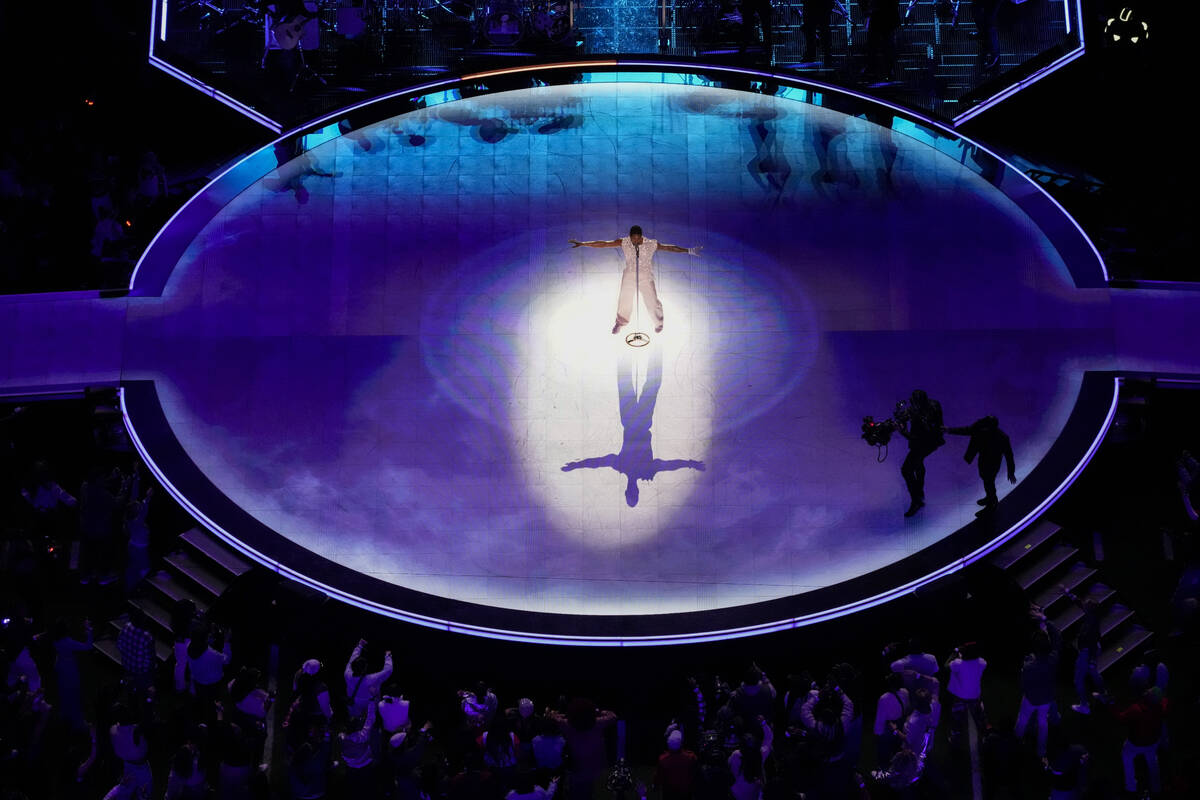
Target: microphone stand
637,338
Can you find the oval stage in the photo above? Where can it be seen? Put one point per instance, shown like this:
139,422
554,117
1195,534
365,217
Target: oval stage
369,357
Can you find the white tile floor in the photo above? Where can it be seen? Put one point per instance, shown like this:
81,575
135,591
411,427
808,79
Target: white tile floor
392,365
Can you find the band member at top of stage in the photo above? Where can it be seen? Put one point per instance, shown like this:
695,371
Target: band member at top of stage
638,275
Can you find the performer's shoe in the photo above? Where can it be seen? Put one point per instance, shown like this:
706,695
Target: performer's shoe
916,506
983,501
990,508
617,327
658,328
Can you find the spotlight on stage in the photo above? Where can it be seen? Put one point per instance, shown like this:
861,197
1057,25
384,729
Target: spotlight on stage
637,339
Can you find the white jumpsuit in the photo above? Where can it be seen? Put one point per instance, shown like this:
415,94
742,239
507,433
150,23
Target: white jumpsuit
639,276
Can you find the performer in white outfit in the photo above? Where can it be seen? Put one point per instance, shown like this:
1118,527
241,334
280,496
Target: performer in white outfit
639,273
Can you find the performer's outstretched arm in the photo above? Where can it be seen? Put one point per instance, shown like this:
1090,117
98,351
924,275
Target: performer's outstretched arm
595,462
596,243
674,248
669,465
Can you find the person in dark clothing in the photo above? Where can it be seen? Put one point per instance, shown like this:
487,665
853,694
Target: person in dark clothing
816,29
992,445
101,498
755,697
757,13
405,753
67,650
1068,773
308,771
1087,645
883,18
1037,686
923,429
985,13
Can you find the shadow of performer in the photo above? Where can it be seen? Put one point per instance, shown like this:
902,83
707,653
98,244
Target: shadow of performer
636,460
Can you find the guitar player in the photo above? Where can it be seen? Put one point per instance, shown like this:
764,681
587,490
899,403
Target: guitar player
288,20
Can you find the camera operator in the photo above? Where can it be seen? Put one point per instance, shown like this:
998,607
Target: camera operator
922,427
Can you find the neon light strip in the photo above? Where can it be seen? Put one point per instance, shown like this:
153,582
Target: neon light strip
1037,76
633,641
415,91
153,24
995,99
162,33
537,67
216,94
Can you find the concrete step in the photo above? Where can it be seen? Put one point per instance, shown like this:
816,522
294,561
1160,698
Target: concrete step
1076,575
1116,616
1072,613
190,567
173,590
215,551
157,612
1133,639
1058,555
108,647
1025,544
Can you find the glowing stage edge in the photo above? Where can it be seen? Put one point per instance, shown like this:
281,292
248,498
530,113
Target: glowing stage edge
443,90
635,641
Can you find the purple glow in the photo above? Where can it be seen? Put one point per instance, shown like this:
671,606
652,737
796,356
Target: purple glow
643,641
468,371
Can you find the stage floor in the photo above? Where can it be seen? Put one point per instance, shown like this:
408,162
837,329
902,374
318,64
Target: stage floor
392,365
387,352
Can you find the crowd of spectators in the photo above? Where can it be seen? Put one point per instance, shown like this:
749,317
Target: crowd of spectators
203,726
210,713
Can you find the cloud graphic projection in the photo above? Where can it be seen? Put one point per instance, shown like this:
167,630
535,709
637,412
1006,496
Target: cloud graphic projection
387,351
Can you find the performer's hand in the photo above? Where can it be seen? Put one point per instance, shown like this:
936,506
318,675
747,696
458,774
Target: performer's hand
575,242
1012,477
695,251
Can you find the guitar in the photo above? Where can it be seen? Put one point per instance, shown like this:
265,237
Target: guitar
289,31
